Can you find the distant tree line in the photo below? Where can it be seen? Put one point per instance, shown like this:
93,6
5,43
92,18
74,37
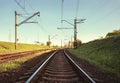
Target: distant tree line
114,33
77,43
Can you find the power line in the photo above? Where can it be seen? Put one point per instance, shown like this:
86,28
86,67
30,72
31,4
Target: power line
62,12
24,3
22,7
77,9
112,11
18,3
23,16
42,28
30,6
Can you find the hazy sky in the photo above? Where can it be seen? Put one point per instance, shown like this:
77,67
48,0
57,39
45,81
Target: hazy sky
101,16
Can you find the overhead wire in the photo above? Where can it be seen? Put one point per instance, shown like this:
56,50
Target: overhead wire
30,6
24,3
18,3
22,7
62,12
38,24
107,14
62,6
62,17
77,9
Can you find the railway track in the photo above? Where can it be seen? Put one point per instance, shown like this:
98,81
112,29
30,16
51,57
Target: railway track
58,68
5,57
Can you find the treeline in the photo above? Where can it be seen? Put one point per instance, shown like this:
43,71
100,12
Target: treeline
114,33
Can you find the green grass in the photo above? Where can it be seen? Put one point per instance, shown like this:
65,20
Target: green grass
13,64
8,66
6,47
104,54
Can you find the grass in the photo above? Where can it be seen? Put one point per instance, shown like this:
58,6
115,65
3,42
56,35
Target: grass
12,64
105,54
8,66
6,47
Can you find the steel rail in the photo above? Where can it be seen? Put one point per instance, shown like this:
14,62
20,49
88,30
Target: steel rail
30,51
82,71
37,71
86,77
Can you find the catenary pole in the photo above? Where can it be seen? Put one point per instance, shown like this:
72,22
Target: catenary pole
16,27
18,24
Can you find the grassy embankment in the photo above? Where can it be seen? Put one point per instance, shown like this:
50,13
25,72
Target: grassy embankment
6,47
104,53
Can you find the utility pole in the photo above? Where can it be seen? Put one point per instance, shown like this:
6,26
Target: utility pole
18,24
49,42
71,42
16,27
75,33
76,21
61,43
49,38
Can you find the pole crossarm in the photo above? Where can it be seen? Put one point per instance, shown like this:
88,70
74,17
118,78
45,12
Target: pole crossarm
38,13
30,22
68,22
80,20
65,28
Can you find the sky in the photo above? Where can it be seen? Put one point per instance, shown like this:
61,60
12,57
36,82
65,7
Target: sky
102,16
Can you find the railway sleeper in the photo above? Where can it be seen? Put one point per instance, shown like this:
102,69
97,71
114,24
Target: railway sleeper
55,72
60,76
57,80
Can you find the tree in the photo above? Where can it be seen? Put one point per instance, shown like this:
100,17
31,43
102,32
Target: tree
49,43
77,43
114,33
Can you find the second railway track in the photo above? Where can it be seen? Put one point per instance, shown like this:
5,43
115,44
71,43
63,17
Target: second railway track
59,68
12,56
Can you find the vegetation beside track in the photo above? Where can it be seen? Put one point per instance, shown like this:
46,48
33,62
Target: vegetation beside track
103,53
13,64
6,47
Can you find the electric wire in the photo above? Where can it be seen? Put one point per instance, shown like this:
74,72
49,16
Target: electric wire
77,9
42,28
30,5
38,24
18,3
108,14
62,13
22,7
24,3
